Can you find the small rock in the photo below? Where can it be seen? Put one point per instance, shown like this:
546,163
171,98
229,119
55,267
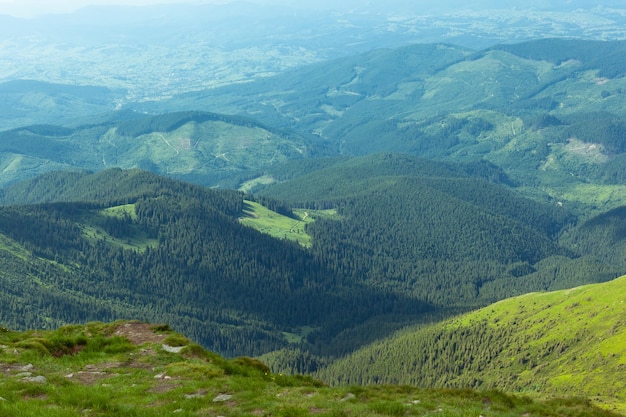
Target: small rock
196,395
2,399
222,397
69,376
348,397
178,410
38,379
172,349
27,367
24,374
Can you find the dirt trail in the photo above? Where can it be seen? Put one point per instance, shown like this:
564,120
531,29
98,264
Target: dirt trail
139,333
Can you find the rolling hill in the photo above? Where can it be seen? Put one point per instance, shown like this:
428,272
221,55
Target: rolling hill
201,147
29,102
132,244
548,112
569,342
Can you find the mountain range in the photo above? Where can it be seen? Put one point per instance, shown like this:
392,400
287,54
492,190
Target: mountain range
372,212
548,113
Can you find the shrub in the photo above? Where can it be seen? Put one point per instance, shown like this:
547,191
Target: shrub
388,408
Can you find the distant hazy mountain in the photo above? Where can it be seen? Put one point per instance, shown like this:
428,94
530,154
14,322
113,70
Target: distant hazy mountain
202,147
156,51
28,102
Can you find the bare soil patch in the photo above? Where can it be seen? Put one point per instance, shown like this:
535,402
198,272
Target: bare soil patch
139,333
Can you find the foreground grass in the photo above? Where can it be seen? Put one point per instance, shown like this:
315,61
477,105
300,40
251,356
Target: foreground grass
135,369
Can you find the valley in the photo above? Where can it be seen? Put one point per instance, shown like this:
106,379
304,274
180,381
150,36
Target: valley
349,211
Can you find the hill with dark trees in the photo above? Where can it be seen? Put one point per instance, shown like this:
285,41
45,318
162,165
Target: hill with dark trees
401,249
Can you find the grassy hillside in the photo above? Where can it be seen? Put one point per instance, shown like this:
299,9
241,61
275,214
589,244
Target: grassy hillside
129,368
282,226
570,342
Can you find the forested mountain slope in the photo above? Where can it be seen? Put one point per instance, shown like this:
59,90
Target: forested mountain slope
404,247
171,251
452,237
198,146
570,342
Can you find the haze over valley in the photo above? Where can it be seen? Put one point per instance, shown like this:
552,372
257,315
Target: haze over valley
363,193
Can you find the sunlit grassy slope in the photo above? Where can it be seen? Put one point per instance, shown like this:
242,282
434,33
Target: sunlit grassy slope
280,226
570,342
132,237
136,369
275,224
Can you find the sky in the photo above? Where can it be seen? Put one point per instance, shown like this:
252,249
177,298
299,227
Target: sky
34,8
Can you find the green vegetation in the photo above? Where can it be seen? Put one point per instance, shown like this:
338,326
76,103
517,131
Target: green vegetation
548,113
291,227
115,225
201,147
384,192
129,368
569,342
277,225
376,243
184,255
